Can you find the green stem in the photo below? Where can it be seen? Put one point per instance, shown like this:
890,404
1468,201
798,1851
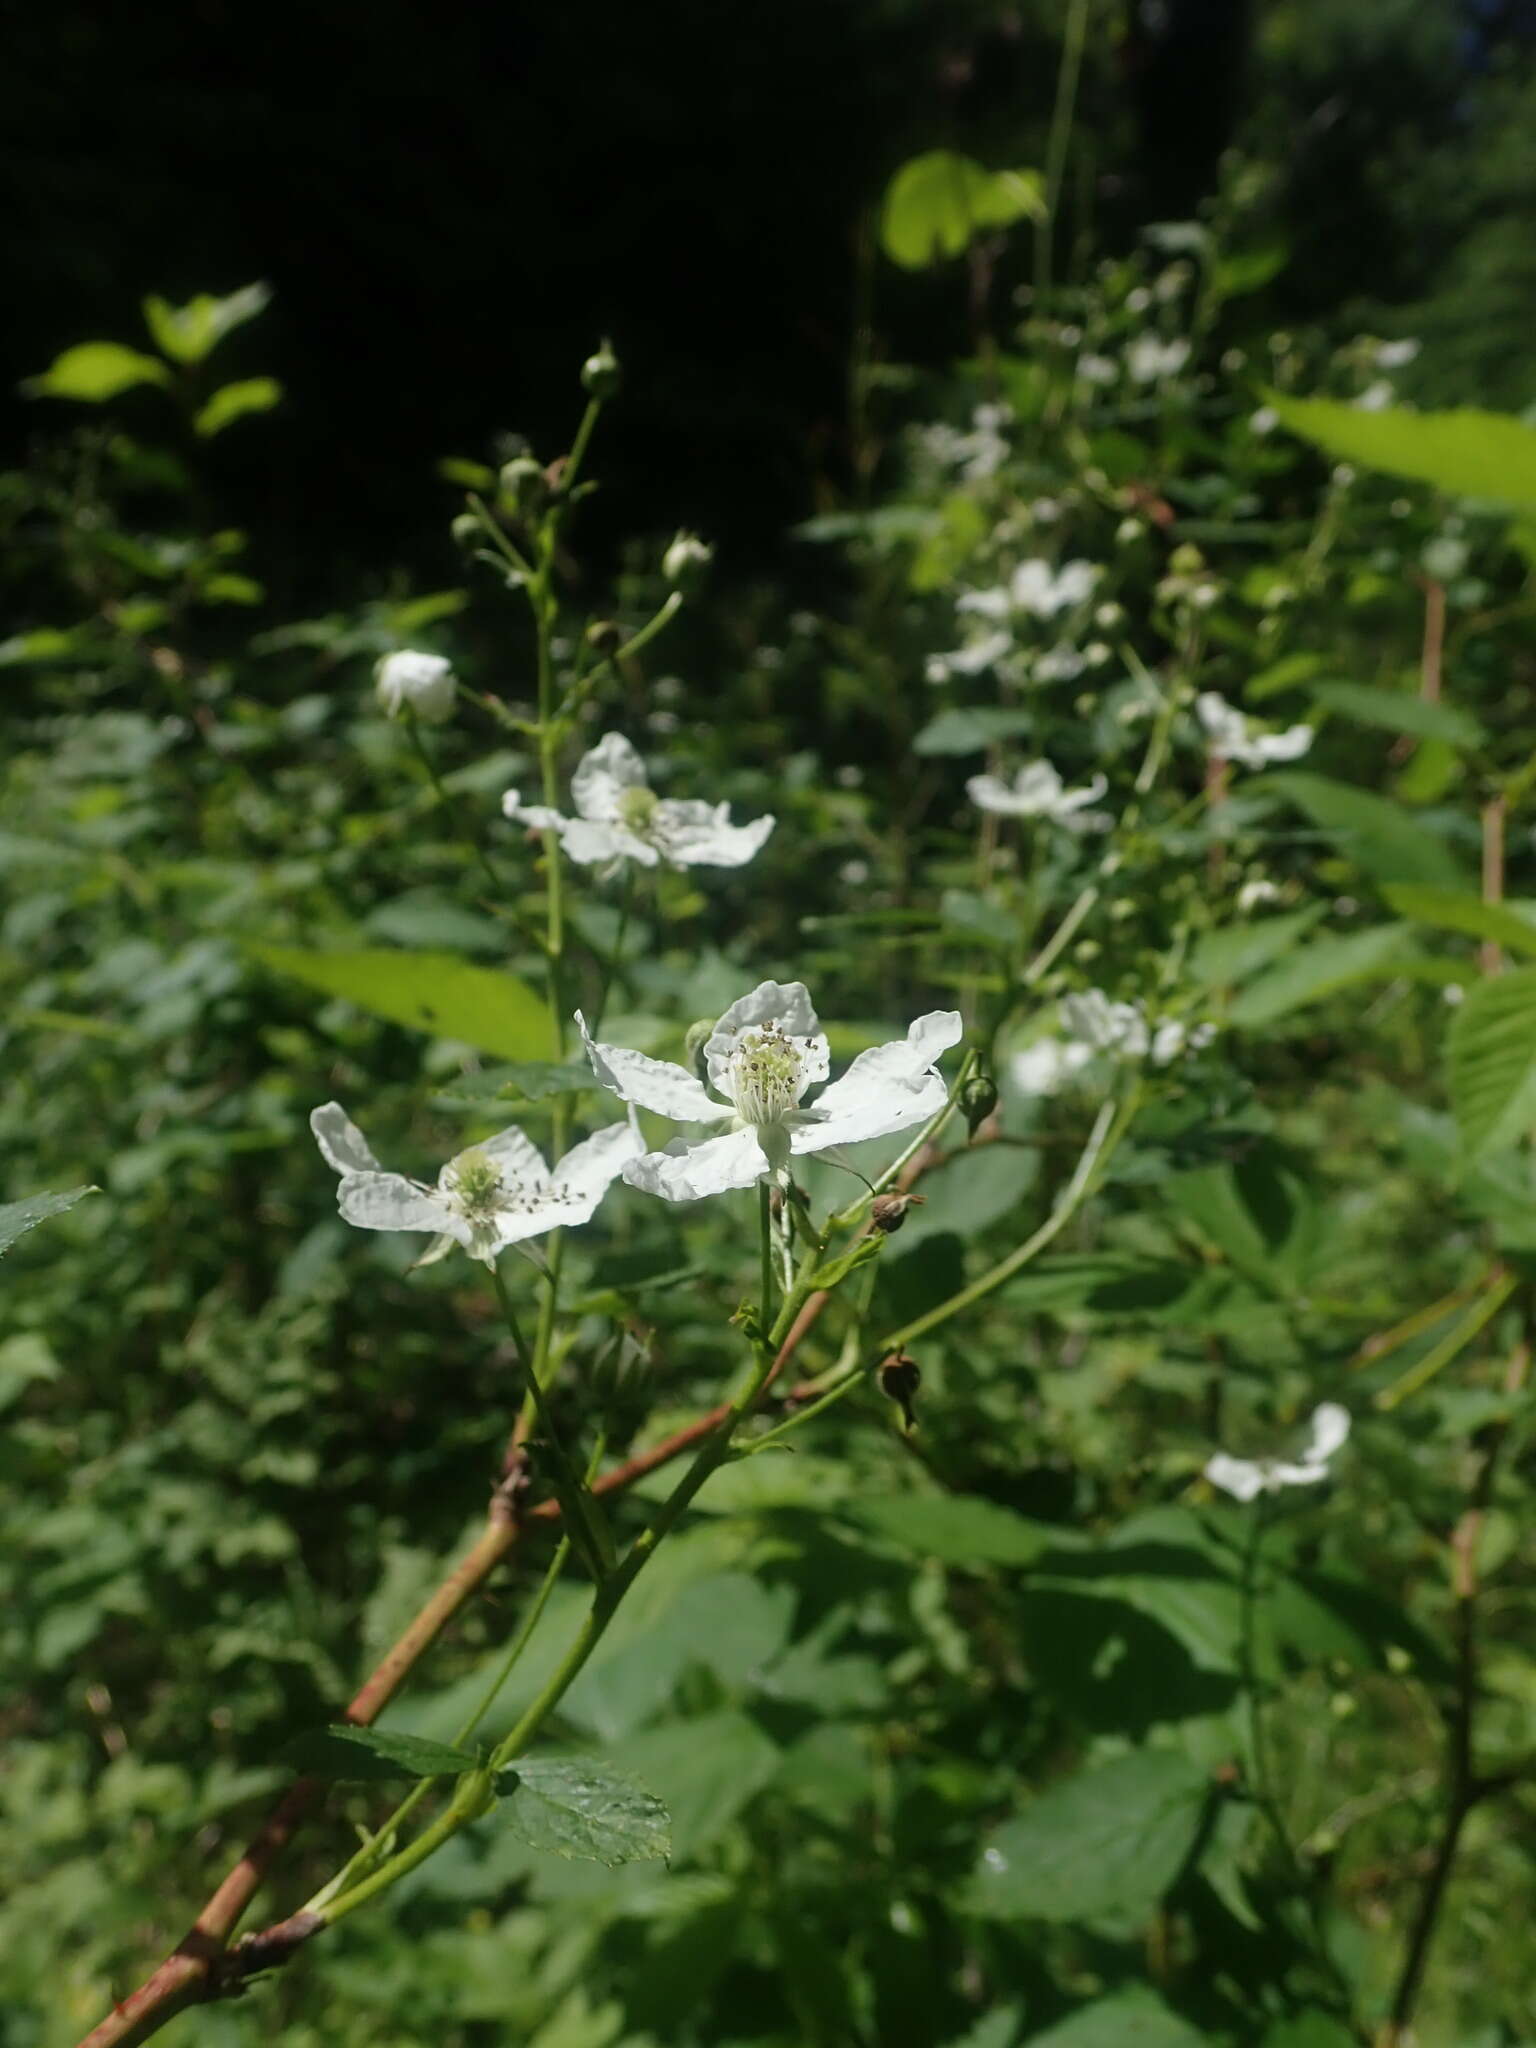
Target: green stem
423,754
1061,134
1109,1127
377,1846
765,1245
587,1528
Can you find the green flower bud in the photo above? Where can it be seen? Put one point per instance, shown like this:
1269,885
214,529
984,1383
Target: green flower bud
698,1037
524,486
685,561
467,530
978,1099
600,373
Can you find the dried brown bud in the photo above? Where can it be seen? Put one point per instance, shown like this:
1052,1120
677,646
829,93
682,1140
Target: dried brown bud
604,636
899,1382
889,1212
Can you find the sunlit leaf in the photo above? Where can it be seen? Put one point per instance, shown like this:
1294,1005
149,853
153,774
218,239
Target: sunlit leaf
435,992
189,333
232,402
17,1218
94,371
1476,454
937,204
582,1808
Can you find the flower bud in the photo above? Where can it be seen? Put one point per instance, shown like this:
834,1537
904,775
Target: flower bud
685,561
889,1212
978,1099
466,530
524,486
698,1037
600,373
899,1382
1186,560
604,637
420,683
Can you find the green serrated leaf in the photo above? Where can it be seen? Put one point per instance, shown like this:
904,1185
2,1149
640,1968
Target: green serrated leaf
1492,1056
583,1809
516,1081
1106,1843
368,1754
435,992
17,1218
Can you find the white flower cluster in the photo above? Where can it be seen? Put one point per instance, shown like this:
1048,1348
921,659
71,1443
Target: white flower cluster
1035,590
1097,1027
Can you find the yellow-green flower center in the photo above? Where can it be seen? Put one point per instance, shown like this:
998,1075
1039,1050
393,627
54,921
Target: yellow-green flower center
477,1185
637,810
765,1075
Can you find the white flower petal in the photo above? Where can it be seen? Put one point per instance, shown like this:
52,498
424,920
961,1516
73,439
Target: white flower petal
1330,1432
1240,1477
986,604
603,774
887,1087
653,1084
517,1158
1289,745
590,1167
695,834
1280,1473
590,843
342,1144
1046,1067
686,1173
539,816
388,1201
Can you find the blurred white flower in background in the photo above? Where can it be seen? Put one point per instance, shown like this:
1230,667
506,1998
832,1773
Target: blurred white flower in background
1037,791
422,683
1235,737
1247,1478
1150,360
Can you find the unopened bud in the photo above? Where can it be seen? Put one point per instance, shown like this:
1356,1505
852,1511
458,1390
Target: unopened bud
604,637
600,373
899,1382
698,1037
978,1099
1186,559
685,561
524,486
467,530
889,1212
